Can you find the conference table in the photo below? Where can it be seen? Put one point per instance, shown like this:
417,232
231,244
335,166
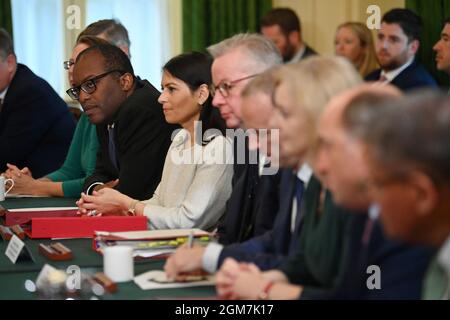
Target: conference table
14,276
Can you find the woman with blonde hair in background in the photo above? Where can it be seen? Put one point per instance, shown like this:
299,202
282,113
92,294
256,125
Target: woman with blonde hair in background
355,42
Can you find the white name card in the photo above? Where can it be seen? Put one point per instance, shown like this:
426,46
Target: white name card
17,251
14,248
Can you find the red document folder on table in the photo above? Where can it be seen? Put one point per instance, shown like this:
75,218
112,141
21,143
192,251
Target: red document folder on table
23,216
83,227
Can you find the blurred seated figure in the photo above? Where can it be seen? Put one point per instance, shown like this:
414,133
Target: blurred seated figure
68,180
354,41
36,126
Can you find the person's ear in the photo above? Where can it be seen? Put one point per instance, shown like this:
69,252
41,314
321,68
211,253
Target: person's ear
11,62
202,94
294,37
427,193
126,82
414,46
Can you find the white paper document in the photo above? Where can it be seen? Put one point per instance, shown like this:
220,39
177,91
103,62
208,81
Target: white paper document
43,209
146,281
22,196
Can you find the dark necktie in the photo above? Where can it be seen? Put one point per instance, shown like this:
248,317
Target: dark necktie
112,146
1,104
299,189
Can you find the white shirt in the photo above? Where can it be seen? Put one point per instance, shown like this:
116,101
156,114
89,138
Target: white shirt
212,252
3,94
195,185
391,75
305,173
298,56
443,259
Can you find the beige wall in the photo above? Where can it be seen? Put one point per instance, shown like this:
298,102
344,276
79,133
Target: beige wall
321,17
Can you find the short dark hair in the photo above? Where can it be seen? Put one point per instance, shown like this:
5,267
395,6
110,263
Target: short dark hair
113,57
6,44
114,31
194,69
286,18
410,22
412,132
446,21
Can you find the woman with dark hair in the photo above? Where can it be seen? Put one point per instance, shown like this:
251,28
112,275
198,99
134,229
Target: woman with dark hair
196,179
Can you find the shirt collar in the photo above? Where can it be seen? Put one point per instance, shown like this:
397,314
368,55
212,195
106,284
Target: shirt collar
391,75
298,56
444,256
305,173
3,94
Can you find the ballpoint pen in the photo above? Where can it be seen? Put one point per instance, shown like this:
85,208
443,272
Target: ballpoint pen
191,239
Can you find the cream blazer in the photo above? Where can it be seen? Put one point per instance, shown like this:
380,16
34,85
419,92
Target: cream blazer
195,185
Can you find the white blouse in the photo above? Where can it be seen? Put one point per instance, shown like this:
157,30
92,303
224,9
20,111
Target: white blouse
195,185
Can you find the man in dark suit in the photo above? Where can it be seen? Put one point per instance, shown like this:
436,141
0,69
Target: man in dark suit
253,203
442,48
283,27
133,134
377,267
397,44
36,127
408,155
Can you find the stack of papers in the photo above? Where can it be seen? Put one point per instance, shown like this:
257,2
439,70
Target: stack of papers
147,244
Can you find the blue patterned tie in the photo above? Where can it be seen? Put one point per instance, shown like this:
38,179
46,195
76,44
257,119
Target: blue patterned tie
112,146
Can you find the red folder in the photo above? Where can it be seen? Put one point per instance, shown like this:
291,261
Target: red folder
83,227
22,217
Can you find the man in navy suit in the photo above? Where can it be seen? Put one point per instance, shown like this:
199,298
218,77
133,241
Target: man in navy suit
253,203
377,266
283,27
410,171
397,44
36,127
442,48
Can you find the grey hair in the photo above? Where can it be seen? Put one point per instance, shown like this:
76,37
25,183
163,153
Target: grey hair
410,132
262,51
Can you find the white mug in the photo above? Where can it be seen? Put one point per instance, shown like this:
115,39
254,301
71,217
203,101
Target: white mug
118,263
3,182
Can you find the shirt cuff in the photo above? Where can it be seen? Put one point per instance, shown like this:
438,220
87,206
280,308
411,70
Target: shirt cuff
92,186
211,256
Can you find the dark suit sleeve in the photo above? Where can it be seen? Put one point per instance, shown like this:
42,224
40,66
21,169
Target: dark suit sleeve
33,116
144,141
255,251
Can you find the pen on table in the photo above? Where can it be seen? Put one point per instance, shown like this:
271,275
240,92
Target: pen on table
191,239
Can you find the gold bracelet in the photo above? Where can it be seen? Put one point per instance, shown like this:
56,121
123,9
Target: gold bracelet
132,208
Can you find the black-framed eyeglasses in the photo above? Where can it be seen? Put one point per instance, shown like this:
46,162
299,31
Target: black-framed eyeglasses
225,86
89,86
67,64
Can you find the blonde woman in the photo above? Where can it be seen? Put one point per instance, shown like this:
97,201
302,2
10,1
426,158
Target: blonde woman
355,42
